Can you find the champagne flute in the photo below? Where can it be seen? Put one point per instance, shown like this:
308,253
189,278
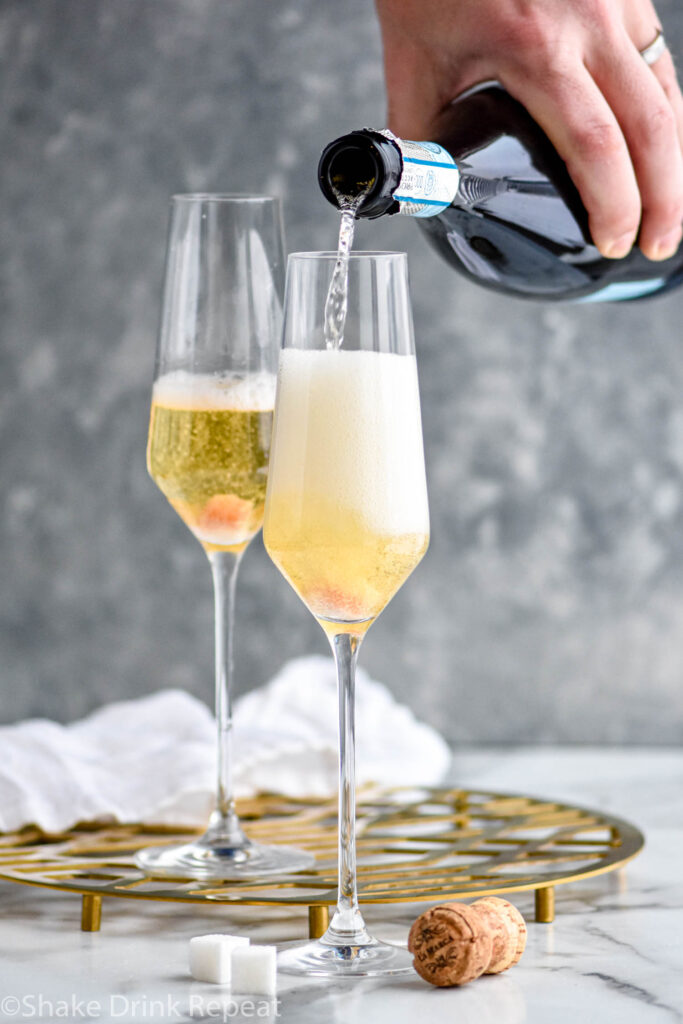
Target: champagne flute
209,440
346,515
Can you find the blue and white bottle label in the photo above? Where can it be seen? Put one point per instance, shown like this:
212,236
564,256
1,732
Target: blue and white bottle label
429,181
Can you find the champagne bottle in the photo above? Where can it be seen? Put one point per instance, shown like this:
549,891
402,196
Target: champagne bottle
495,199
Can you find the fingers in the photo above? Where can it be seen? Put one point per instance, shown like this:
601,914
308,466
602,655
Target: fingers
577,118
665,73
642,24
649,124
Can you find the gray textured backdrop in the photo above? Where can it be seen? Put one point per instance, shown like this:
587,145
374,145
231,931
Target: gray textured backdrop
550,604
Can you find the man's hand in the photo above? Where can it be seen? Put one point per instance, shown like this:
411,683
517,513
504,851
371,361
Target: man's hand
576,67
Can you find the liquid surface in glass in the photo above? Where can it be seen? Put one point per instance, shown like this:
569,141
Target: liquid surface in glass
209,440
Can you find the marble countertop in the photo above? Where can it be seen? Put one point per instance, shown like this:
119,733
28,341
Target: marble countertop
613,954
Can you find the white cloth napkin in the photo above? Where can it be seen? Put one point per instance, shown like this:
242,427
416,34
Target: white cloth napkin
153,759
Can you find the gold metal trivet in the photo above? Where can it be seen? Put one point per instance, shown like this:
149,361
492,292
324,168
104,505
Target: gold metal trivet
414,844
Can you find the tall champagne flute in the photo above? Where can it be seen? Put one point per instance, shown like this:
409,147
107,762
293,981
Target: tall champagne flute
209,440
346,514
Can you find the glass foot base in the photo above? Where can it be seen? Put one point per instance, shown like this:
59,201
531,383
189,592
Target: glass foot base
368,961
221,864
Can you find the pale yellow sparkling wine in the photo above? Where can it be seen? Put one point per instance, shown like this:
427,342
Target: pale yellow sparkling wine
347,516
209,440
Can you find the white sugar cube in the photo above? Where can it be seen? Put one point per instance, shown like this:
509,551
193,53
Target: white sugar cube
210,956
254,970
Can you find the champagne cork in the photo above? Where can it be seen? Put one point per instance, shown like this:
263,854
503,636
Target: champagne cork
454,943
503,934
513,919
449,945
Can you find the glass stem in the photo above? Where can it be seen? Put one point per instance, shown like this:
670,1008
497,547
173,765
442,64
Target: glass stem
224,827
347,927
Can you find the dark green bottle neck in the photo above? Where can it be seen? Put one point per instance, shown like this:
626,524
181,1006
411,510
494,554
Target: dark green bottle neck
352,161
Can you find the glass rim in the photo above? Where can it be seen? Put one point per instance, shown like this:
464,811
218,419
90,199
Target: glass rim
355,254
222,197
